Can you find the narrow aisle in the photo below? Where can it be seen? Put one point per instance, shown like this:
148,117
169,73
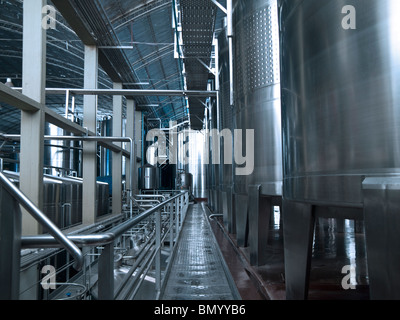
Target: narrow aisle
197,272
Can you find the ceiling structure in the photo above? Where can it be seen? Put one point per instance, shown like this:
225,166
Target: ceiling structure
137,47
198,22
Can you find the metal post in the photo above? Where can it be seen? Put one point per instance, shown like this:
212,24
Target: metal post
66,104
90,148
242,230
158,253
171,225
182,209
32,123
179,214
139,129
130,132
260,210
230,43
131,170
10,246
177,217
106,273
117,157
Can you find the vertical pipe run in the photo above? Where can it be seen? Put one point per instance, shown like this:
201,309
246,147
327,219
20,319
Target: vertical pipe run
171,225
66,103
177,217
117,156
230,40
32,124
158,252
90,148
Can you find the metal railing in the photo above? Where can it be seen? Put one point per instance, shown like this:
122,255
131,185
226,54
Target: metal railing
41,218
103,250
16,137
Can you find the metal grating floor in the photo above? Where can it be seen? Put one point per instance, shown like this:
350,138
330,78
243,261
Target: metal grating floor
198,271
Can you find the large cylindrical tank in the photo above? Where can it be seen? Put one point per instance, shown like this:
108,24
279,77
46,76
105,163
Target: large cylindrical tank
56,154
257,92
197,162
60,157
52,193
340,97
62,198
192,155
102,199
167,177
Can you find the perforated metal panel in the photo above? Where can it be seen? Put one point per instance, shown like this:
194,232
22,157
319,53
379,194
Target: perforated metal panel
197,272
259,65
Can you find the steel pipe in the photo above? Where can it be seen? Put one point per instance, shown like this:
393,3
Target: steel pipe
43,221
130,92
48,241
216,215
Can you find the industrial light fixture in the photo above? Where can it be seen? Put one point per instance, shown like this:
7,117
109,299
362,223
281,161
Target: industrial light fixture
9,83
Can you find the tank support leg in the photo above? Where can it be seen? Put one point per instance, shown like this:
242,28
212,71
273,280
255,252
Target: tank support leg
298,227
224,199
382,235
230,211
242,221
260,209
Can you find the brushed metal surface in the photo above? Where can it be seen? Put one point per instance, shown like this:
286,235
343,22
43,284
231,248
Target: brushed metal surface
192,159
340,98
62,199
381,194
257,91
198,271
149,177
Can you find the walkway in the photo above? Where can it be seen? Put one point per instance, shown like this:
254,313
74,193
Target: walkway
198,271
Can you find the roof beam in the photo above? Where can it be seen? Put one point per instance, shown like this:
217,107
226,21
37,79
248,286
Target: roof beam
133,92
71,16
69,13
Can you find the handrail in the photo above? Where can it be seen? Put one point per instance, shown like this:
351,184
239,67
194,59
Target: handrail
91,138
43,220
212,216
46,241
149,196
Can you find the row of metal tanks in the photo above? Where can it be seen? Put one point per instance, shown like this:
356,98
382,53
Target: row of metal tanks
318,83
167,178
62,199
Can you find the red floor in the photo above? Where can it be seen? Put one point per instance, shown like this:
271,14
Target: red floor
332,250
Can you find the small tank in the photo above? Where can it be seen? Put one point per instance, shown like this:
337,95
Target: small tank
148,177
185,181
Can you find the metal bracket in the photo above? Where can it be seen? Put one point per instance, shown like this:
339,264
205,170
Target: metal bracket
220,6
